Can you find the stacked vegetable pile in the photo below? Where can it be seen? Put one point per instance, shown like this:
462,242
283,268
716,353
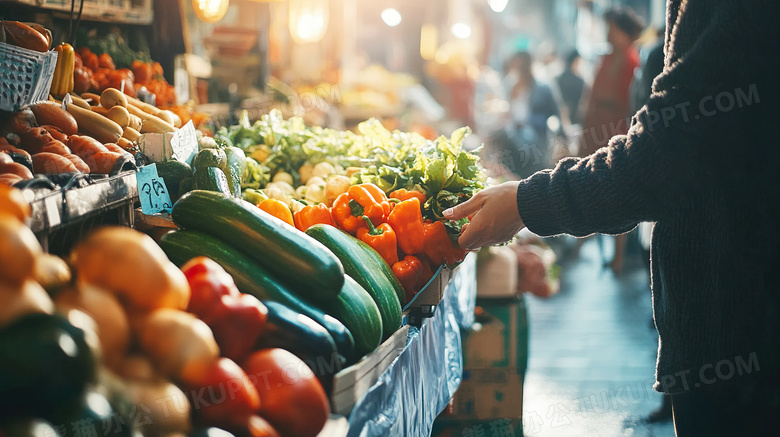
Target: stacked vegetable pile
131,344
98,135
389,189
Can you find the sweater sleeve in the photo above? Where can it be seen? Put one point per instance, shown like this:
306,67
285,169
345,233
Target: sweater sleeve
677,141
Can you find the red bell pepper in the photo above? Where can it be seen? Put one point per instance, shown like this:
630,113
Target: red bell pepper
439,248
237,320
408,271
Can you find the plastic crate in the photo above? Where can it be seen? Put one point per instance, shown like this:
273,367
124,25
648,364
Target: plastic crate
65,208
25,76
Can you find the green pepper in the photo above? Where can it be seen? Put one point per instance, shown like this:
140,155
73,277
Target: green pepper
209,158
46,363
254,196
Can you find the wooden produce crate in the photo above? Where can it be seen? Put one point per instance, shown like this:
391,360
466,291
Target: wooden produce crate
352,383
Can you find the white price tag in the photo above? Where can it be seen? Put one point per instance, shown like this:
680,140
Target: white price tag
52,204
67,100
184,143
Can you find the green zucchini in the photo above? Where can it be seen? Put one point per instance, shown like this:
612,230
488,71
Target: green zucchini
211,179
299,261
356,309
234,168
251,278
368,270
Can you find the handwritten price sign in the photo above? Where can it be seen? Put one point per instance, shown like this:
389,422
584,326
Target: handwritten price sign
152,191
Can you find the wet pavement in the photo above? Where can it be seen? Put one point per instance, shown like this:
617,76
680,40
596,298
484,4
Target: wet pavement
592,351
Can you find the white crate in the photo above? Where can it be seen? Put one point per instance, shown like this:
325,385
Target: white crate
25,76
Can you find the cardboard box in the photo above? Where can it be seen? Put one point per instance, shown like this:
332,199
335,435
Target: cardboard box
499,336
352,383
489,394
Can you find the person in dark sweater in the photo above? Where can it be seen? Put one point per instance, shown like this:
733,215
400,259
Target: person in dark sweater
700,160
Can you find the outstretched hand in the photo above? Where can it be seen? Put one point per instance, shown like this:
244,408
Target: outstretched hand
495,217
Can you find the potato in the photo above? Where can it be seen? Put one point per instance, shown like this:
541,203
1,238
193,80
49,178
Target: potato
52,272
335,186
120,116
316,180
113,97
17,301
323,170
133,266
113,329
283,176
306,172
180,345
19,250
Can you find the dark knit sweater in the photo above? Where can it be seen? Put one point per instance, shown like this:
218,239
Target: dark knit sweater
701,162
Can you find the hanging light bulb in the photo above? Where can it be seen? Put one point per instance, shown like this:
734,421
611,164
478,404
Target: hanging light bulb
210,11
498,5
391,17
308,20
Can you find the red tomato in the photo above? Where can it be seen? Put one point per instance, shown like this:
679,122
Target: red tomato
105,61
142,71
291,398
223,396
82,80
258,427
90,60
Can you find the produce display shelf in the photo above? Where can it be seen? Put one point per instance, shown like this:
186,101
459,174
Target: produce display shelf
408,394
63,212
108,11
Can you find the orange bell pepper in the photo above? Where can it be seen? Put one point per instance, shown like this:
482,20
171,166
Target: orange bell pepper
382,239
406,219
404,194
277,209
361,200
311,215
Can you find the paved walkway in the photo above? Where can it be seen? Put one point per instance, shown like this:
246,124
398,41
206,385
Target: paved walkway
592,353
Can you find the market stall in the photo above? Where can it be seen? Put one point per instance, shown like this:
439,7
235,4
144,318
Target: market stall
269,278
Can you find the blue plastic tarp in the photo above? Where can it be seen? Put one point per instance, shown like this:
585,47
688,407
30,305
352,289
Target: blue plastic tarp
410,394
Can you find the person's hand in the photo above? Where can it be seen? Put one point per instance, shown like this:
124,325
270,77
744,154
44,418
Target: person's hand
495,217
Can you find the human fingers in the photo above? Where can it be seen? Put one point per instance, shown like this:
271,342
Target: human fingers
466,208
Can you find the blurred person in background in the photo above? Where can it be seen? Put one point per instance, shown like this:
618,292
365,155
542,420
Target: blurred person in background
706,176
571,87
531,103
608,106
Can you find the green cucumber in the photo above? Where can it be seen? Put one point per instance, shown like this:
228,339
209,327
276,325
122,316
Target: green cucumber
356,309
297,333
251,278
185,186
211,179
307,267
234,168
175,170
368,270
